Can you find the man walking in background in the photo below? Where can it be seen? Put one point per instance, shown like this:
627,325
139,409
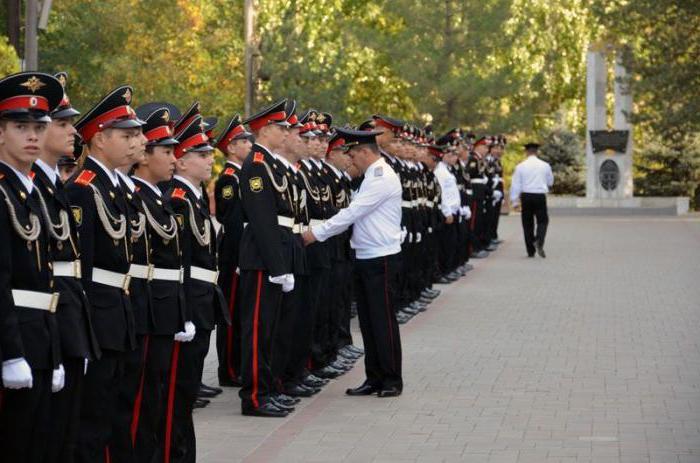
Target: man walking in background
531,182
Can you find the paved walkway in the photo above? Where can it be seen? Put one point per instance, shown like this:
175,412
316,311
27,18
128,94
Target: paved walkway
592,355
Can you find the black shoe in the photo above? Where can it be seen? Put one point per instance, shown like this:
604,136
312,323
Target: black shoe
364,389
407,311
425,299
314,378
312,390
434,292
347,355
266,410
209,389
389,392
200,403
480,254
298,391
444,280
285,399
328,372
540,250
357,350
415,305
313,384
281,406
228,382
340,366
468,267
206,394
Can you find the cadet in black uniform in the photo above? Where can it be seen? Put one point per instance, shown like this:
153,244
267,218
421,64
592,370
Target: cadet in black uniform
235,142
29,339
112,133
166,316
266,259
78,341
204,300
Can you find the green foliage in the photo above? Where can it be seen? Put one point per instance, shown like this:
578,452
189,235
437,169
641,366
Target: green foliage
564,151
9,62
664,170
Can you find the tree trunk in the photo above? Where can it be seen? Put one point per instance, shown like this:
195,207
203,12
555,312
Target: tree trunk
249,37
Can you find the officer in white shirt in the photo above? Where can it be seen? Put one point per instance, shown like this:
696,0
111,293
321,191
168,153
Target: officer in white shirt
529,187
375,214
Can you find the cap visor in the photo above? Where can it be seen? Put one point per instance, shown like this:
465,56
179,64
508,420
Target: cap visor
164,142
126,124
201,149
65,113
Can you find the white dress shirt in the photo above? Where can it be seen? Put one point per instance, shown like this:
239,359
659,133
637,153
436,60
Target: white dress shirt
50,172
154,188
197,191
127,180
110,173
375,214
450,199
26,181
533,175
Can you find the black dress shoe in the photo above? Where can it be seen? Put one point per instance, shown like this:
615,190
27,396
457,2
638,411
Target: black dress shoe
200,403
444,280
213,389
228,382
346,354
328,372
281,406
358,350
314,378
266,410
540,250
389,392
298,391
312,384
312,390
205,394
286,399
364,389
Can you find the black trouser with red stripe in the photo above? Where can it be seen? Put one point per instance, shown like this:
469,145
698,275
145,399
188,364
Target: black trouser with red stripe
319,286
148,419
65,413
228,337
190,366
479,218
24,419
342,284
259,308
290,367
101,386
376,293
121,447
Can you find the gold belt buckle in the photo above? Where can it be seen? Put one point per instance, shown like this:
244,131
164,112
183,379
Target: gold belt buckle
216,277
126,283
77,269
150,272
54,302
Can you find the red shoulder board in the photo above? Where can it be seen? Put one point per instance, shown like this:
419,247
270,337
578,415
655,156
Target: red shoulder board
85,178
258,157
178,193
229,171
32,174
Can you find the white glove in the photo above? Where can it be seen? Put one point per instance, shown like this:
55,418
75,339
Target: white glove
410,237
404,233
430,229
418,237
467,212
59,379
188,334
288,285
286,280
238,270
497,196
16,374
85,367
495,180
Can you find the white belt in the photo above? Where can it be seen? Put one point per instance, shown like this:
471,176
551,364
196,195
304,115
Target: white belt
35,300
429,203
406,204
470,191
316,222
478,180
140,271
167,274
205,275
109,278
283,221
66,269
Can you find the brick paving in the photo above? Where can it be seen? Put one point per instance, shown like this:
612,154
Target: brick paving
592,355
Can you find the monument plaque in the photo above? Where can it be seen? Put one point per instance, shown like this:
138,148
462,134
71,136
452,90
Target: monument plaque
615,140
609,175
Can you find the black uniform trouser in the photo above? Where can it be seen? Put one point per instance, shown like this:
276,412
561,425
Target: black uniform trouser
376,285
25,420
190,366
479,219
319,282
534,206
101,386
448,243
228,337
148,421
121,447
342,271
462,241
293,315
260,306
65,413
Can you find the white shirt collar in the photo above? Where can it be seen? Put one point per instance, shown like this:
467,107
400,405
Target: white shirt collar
197,192
284,161
338,173
110,173
318,163
155,189
129,183
234,164
26,181
51,173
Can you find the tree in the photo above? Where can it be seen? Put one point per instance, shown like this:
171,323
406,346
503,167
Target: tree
9,62
668,170
563,150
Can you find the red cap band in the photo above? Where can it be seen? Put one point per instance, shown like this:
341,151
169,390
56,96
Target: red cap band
261,122
159,132
223,143
95,125
25,102
335,144
194,140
